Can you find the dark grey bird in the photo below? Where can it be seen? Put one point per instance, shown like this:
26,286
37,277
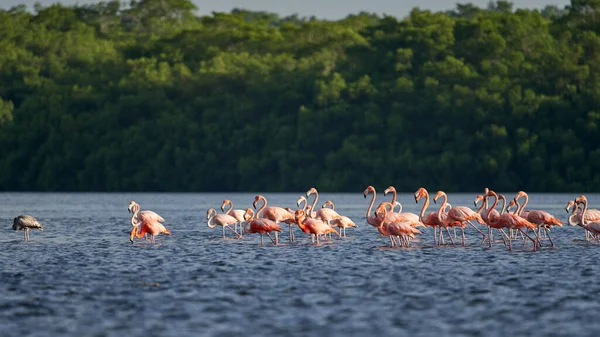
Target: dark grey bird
25,223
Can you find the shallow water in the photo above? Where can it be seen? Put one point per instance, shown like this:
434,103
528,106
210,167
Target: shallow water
82,277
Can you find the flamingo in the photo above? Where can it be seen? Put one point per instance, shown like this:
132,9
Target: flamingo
460,216
274,213
342,222
325,214
139,217
26,223
152,227
431,219
592,226
313,226
541,218
494,213
402,230
508,220
223,220
236,213
260,226
574,219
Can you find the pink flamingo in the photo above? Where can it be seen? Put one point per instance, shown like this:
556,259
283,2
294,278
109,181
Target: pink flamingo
260,226
542,219
433,218
313,226
236,213
508,220
574,219
493,213
460,216
26,223
138,217
152,227
325,214
402,230
223,220
277,214
392,190
592,226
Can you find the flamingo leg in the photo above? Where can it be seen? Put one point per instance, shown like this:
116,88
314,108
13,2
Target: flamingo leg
450,236
291,233
261,239
477,229
236,233
490,234
535,243
547,231
274,241
463,235
434,234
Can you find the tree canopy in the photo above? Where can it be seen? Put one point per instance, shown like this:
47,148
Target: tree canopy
149,96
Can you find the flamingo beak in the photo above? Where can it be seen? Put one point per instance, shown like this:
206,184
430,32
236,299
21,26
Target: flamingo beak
475,203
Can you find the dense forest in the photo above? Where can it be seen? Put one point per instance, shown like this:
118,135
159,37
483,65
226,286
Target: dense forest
150,96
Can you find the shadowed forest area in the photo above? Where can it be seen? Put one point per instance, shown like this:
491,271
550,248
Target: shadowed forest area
149,96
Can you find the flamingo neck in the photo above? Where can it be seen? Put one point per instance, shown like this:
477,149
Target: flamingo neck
503,198
314,204
439,213
493,194
371,205
524,204
262,207
585,206
229,209
425,205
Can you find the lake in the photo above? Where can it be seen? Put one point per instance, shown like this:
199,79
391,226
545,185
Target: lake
82,277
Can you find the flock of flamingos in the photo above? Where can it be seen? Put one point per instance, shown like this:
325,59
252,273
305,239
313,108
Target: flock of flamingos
402,228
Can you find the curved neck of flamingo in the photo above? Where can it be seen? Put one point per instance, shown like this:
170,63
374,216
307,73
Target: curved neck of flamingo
524,204
585,206
300,221
134,218
211,219
395,194
330,203
229,209
493,194
519,207
483,204
305,204
399,206
262,208
371,204
314,204
439,213
383,217
425,205
503,198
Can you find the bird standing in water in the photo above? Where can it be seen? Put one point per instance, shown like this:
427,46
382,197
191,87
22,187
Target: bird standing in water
25,223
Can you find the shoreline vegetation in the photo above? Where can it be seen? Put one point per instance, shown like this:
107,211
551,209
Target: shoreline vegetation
149,96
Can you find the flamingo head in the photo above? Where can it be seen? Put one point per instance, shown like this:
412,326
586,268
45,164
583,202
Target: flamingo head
256,199
420,193
389,189
438,195
520,194
311,191
302,198
132,233
511,204
225,203
133,206
570,204
327,203
490,193
580,199
381,209
210,212
299,214
249,214
370,189
477,199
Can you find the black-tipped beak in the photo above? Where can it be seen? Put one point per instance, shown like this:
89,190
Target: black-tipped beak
365,196
475,203
435,202
131,240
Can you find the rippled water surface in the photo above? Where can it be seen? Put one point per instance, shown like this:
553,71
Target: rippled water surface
82,277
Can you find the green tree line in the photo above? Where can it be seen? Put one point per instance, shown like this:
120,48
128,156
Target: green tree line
149,96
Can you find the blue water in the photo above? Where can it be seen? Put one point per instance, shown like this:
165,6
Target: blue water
82,277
